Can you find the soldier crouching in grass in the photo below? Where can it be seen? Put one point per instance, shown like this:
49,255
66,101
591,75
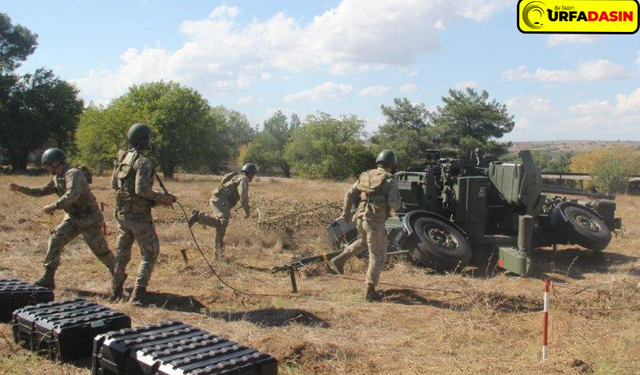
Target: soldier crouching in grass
83,216
377,191
234,187
133,180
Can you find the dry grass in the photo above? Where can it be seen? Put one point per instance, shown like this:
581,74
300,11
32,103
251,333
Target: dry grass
576,146
482,322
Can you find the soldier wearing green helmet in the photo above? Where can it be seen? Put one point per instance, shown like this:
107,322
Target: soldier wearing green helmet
376,194
133,179
234,187
83,215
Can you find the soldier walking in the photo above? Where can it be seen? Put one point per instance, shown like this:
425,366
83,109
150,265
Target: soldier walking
133,179
83,216
234,187
377,193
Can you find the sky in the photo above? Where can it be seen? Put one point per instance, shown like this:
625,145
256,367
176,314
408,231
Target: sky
343,57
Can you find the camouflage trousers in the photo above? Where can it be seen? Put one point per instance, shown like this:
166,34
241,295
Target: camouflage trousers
371,236
67,231
219,220
144,233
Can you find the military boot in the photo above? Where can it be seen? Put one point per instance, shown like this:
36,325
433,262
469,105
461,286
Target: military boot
370,294
339,261
193,218
48,279
138,296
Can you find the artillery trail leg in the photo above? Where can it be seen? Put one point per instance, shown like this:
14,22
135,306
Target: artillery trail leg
292,275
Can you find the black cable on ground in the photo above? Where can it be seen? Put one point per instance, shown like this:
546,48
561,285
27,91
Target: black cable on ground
193,236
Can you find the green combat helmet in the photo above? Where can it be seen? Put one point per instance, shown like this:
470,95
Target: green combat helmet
249,168
139,135
53,154
387,158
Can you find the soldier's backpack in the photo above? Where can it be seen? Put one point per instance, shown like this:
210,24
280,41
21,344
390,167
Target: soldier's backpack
227,190
372,195
124,166
87,173
227,178
370,182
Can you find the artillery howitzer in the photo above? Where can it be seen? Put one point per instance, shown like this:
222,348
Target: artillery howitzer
452,208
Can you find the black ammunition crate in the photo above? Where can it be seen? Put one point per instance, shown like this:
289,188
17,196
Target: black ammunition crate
65,330
174,348
15,294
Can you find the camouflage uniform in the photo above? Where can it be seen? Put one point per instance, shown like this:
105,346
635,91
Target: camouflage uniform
373,210
83,216
233,188
133,181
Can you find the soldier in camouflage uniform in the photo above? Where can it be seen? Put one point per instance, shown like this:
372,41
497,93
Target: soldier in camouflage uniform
377,193
234,187
133,179
83,216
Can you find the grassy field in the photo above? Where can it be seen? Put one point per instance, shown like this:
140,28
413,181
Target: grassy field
478,322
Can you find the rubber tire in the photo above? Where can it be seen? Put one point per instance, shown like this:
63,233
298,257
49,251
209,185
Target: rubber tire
574,232
430,254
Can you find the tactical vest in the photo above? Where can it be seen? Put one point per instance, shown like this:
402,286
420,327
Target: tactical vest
85,204
374,189
127,201
227,191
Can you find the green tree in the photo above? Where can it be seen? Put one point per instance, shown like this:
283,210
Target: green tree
468,120
102,132
406,130
41,109
186,130
236,131
325,147
16,43
267,147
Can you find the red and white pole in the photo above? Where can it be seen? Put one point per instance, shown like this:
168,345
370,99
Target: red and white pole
104,223
545,320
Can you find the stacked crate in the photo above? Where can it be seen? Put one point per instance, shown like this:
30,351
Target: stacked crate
15,294
174,348
65,330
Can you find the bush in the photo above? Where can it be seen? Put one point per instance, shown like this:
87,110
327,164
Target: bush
325,147
610,168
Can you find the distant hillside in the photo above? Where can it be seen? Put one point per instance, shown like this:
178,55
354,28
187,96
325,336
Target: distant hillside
569,146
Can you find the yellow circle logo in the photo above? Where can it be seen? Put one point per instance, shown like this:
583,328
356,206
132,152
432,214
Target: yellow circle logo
533,14
578,16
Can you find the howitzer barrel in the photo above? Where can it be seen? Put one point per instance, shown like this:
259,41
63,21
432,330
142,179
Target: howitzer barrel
571,191
306,261
303,262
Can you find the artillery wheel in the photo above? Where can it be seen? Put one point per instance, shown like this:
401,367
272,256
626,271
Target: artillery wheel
581,226
440,245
